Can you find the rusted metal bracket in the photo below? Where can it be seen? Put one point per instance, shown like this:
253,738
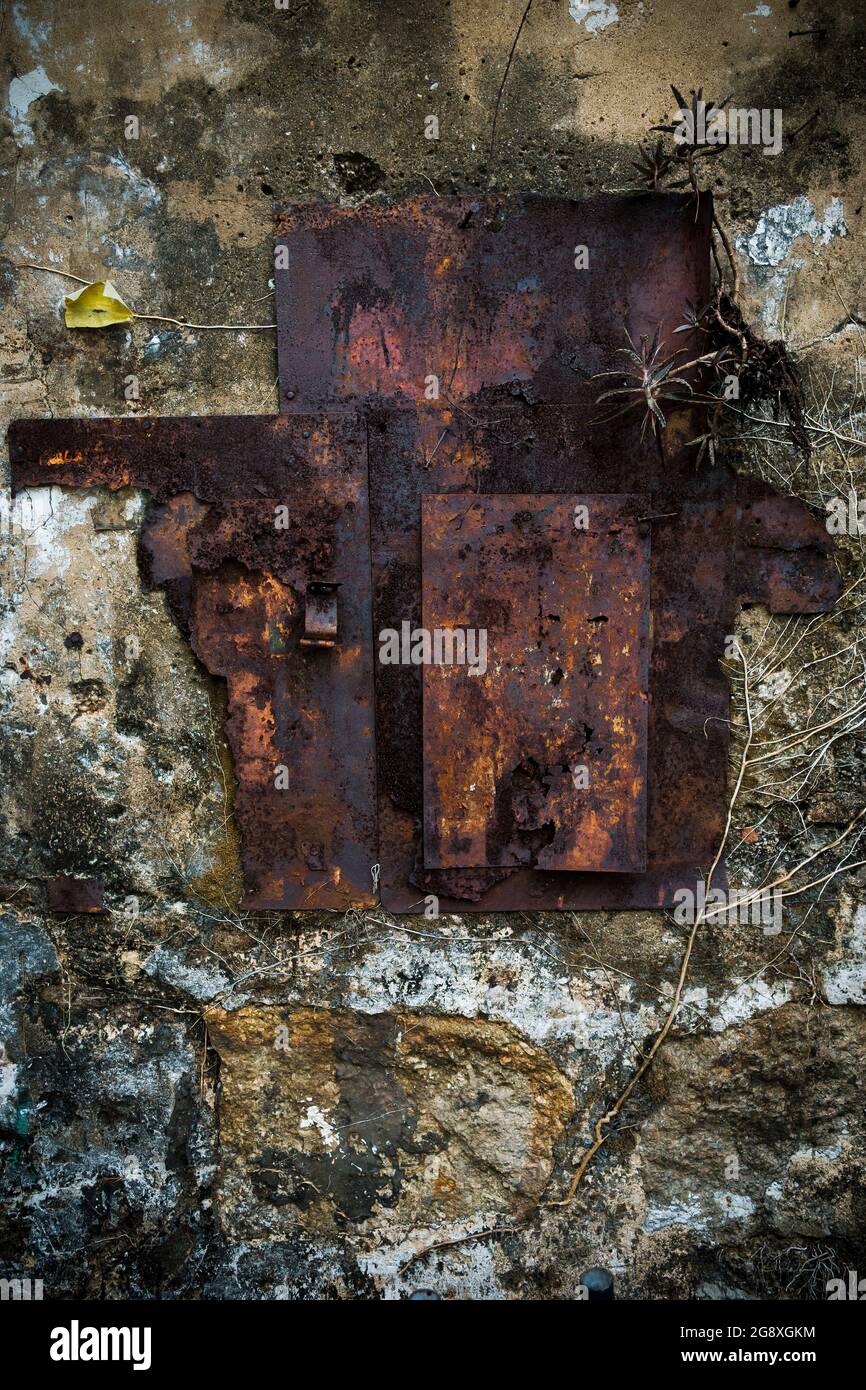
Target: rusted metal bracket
320,614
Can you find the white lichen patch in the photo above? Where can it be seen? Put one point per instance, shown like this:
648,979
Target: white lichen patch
688,1212
749,998
511,981
204,982
700,1212
734,1206
8,1076
467,1269
759,12
844,979
779,227
593,15
23,91
315,1118
774,287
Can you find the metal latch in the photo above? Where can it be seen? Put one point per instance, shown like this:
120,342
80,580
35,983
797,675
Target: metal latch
320,619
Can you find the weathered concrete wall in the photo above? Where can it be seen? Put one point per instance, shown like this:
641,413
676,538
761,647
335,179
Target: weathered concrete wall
195,1100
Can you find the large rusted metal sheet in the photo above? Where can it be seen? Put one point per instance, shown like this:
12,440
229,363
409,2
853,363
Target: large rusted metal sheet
480,299
468,336
460,295
251,520
535,756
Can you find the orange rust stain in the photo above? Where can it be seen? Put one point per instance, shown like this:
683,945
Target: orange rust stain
66,456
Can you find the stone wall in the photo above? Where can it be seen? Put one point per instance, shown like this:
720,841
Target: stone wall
197,1101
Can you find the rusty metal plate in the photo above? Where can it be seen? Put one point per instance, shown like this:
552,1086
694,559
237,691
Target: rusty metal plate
258,532
716,540
471,316
535,720
459,295
67,894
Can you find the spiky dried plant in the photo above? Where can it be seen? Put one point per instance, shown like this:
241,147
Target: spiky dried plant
650,378
653,164
701,113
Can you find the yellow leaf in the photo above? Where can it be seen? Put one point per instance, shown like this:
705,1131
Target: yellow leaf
96,306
